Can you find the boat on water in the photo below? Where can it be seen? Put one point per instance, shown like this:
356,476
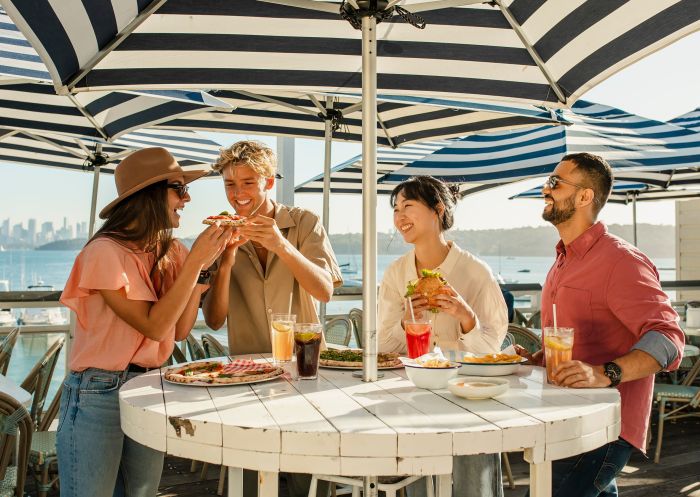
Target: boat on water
7,318
42,316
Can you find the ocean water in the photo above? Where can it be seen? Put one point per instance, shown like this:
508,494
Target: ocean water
22,268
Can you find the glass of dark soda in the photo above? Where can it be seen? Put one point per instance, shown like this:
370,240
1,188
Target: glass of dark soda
307,346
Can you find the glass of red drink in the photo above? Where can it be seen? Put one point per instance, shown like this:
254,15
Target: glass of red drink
418,333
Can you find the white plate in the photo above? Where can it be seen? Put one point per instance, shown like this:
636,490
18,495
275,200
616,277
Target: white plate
203,384
482,369
472,392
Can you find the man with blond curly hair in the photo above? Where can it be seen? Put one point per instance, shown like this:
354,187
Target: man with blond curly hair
282,252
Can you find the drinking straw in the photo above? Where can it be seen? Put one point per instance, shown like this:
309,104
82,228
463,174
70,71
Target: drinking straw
554,312
289,307
410,306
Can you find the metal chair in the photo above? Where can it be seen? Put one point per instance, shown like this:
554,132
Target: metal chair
519,318
195,349
684,398
43,445
338,330
6,349
16,430
212,347
177,356
355,316
525,338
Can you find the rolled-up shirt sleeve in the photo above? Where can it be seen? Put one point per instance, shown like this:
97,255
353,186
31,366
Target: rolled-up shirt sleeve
635,296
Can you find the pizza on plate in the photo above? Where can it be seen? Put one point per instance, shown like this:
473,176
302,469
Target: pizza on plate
220,373
352,358
226,219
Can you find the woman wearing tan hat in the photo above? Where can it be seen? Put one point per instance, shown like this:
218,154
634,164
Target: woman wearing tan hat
135,291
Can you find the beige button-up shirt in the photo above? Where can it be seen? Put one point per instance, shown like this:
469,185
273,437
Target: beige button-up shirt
471,278
255,294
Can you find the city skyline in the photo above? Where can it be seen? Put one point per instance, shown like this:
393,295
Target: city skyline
39,232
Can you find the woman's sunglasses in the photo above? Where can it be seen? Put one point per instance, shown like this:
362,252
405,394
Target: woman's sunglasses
180,189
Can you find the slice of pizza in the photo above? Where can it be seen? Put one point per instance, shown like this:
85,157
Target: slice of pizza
429,285
226,219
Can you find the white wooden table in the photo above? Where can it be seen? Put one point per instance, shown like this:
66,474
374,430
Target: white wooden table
9,387
341,425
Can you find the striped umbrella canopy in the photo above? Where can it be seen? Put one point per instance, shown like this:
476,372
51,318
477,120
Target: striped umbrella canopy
537,51
625,140
35,107
19,62
691,120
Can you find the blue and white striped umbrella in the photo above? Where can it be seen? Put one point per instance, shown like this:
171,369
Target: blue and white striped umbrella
549,51
691,120
625,140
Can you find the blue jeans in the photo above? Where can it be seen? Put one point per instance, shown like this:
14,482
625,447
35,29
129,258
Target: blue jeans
591,474
472,476
95,458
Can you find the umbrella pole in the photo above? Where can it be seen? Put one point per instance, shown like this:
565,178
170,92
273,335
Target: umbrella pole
634,218
327,184
93,204
369,199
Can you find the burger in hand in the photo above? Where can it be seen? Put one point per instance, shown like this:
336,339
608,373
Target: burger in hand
430,284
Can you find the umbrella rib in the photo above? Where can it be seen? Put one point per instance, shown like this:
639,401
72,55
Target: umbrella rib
386,131
7,133
270,100
318,104
48,141
436,5
531,50
88,116
114,43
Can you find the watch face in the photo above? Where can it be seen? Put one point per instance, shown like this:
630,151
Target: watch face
613,372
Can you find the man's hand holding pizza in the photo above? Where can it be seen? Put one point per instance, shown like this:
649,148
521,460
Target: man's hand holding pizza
263,231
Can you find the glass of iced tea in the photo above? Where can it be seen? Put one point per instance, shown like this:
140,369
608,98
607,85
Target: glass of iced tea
307,343
558,346
418,332
282,336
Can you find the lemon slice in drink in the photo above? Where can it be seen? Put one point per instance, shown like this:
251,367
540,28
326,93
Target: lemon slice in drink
305,336
281,327
555,344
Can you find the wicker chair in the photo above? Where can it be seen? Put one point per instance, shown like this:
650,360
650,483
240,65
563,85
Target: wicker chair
177,356
43,445
519,318
338,330
6,349
16,430
355,316
535,320
525,338
212,347
684,399
195,348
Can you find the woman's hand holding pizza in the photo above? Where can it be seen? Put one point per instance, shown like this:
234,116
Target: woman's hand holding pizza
228,256
210,244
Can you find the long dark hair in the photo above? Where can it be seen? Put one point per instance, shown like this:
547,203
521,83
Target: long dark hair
143,219
432,192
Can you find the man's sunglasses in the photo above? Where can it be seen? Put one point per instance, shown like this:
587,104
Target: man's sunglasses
554,180
180,189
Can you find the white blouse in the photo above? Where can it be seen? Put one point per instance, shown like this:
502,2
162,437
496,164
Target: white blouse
471,278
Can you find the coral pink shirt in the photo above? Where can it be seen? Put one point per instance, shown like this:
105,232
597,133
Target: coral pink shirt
609,292
102,339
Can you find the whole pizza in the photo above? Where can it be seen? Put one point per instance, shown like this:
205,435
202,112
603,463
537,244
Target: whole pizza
220,373
352,358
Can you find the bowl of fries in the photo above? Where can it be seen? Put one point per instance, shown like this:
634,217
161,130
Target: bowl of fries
431,373
501,364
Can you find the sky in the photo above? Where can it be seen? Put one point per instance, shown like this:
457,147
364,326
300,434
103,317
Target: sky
661,86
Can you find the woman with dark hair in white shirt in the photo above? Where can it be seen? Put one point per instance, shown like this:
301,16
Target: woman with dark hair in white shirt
471,317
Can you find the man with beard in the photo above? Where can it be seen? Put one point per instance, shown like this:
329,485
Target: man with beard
625,328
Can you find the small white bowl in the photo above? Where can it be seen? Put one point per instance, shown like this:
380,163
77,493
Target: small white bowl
477,387
431,378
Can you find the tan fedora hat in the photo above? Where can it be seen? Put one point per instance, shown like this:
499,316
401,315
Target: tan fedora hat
143,168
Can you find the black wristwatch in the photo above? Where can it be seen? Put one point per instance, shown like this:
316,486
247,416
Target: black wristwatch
614,372
204,276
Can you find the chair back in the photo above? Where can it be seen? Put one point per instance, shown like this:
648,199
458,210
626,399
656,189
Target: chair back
535,320
692,374
212,347
338,330
51,411
508,341
519,318
177,356
355,316
38,380
525,338
6,349
195,349
16,428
